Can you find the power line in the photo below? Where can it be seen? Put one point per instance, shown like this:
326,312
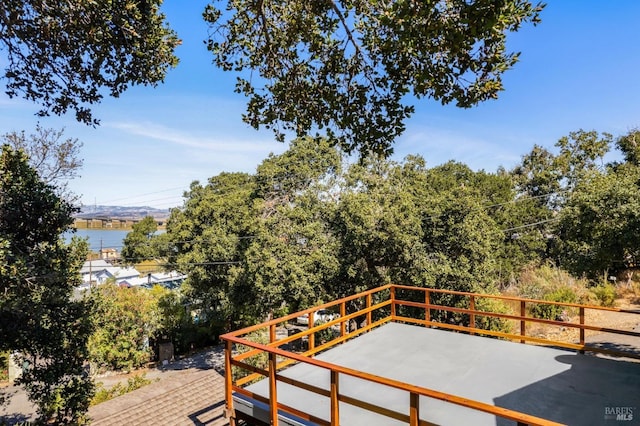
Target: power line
533,197
529,225
141,195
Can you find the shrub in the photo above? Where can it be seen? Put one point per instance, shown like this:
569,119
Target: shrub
605,294
126,318
552,312
492,323
260,360
326,334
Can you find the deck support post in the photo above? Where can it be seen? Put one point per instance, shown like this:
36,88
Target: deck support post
414,409
335,401
273,390
343,324
312,336
228,382
393,303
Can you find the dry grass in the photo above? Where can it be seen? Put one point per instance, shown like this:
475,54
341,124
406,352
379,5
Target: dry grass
148,266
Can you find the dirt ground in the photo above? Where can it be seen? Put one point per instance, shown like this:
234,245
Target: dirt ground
598,318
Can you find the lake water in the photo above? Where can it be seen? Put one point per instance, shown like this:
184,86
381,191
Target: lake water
100,238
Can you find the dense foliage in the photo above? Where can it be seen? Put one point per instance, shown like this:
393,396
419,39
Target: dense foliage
40,322
346,66
362,56
126,318
309,226
65,55
138,243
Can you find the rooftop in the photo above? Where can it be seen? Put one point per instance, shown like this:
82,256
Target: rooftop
402,367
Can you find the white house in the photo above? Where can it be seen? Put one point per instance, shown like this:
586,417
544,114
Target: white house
169,280
99,271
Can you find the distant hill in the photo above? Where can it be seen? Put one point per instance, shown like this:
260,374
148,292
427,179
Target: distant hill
119,212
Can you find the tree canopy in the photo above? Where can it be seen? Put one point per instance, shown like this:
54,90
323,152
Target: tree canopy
309,226
39,320
138,243
346,67
65,55
305,228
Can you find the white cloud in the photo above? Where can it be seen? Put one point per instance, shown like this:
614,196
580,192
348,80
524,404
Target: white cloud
438,145
220,144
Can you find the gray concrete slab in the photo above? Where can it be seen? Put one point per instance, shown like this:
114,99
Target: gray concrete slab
555,384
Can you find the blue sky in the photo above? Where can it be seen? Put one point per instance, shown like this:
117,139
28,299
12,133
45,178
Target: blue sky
578,69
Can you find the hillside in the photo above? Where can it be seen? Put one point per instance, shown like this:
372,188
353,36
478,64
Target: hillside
120,212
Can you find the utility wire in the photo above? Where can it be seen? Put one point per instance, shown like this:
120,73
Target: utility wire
140,195
529,225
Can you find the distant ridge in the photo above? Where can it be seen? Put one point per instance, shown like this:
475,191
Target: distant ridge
119,212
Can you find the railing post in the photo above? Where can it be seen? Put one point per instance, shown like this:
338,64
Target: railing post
343,313
523,323
312,336
581,328
414,409
273,390
427,310
335,400
272,333
393,303
472,316
368,306
228,383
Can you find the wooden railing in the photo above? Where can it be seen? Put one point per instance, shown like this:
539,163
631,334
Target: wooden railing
377,307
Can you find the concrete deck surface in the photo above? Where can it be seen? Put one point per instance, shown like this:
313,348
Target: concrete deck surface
555,384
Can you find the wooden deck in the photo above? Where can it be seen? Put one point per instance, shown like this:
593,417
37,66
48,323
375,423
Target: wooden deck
399,369
554,384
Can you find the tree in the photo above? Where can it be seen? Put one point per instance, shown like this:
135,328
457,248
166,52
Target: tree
461,237
207,238
39,320
599,226
66,55
629,145
126,318
401,222
581,154
138,244
293,255
254,244
378,225
347,66
538,177
56,160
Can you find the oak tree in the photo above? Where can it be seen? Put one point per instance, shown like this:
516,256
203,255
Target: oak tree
347,67
65,55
